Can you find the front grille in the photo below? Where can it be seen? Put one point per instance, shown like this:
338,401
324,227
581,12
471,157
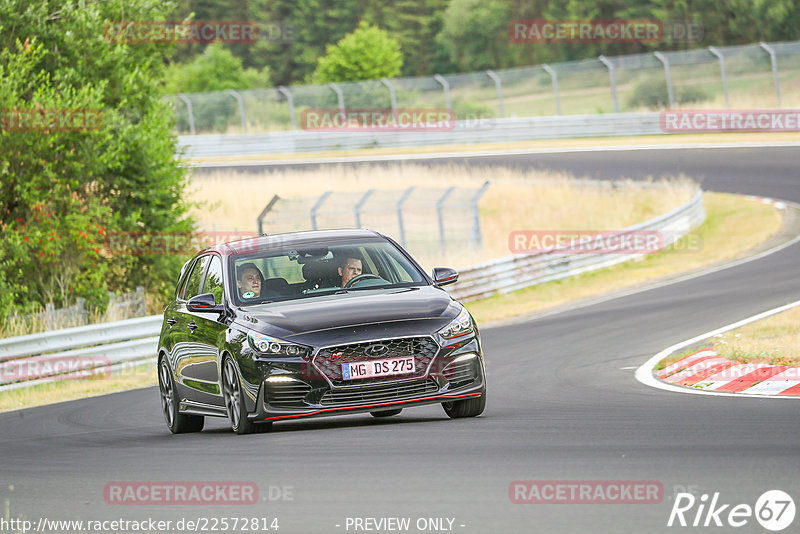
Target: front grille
289,394
329,360
460,371
382,393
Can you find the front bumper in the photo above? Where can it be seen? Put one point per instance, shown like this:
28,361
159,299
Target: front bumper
456,376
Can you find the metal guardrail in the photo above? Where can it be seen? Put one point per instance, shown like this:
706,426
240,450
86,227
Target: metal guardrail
465,132
518,271
34,359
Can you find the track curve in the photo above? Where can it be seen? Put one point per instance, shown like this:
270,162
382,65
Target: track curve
563,405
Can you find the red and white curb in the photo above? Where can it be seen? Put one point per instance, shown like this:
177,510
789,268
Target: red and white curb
706,370
710,374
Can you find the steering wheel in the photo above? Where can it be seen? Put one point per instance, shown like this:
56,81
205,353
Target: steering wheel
363,276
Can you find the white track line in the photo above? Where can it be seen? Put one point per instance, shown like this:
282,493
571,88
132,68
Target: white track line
644,373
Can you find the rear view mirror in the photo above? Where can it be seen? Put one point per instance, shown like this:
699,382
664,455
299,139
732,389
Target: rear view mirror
204,302
444,275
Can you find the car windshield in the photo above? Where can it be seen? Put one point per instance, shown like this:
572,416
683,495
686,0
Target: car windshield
304,271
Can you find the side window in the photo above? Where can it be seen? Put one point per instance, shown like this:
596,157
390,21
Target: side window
213,283
192,286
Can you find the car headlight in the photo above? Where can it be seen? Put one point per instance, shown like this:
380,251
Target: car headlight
272,346
459,327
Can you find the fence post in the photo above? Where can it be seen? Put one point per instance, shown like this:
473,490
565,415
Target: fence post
439,206
554,76
446,89
360,204
718,54
317,207
288,94
240,101
774,60
189,110
141,297
670,94
498,85
476,219
392,94
264,212
49,316
81,310
399,208
336,89
612,79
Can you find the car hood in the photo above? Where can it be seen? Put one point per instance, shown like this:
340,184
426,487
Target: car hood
355,309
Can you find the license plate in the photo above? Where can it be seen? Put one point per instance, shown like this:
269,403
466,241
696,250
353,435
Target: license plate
376,368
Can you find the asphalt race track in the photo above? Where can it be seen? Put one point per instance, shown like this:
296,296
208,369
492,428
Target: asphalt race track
563,405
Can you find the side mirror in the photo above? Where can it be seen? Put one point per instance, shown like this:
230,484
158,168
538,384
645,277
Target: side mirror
203,303
444,275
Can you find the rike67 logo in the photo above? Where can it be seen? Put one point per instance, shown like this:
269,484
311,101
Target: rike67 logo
774,510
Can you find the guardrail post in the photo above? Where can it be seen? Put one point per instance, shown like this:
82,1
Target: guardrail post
554,76
288,94
440,216
336,89
317,207
392,94
612,79
240,101
360,205
774,60
714,50
445,88
264,212
498,85
399,208
476,219
189,110
670,94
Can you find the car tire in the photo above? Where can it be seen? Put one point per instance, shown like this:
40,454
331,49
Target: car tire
234,399
465,408
178,423
386,413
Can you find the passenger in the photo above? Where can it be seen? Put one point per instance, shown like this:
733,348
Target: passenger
349,268
249,280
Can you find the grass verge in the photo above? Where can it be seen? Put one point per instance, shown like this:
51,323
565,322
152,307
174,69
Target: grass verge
733,226
137,377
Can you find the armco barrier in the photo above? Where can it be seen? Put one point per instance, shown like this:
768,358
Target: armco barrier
112,345
522,270
465,132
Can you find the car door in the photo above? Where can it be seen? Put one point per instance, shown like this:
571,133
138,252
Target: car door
193,360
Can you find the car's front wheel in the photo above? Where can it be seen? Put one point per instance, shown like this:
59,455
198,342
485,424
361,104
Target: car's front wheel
177,422
234,399
465,408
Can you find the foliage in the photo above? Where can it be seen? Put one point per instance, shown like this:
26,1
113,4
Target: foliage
65,187
652,93
369,53
215,69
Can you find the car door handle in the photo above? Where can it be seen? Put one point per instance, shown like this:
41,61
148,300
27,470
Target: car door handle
171,322
192,326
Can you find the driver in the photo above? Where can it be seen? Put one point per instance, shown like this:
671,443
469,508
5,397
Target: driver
249,280
349,268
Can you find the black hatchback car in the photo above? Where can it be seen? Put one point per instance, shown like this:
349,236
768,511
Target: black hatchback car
311,324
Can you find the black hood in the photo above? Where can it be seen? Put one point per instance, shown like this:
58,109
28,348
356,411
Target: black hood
356,308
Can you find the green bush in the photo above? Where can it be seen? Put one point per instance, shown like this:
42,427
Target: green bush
652,93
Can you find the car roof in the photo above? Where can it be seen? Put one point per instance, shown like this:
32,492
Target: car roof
266,242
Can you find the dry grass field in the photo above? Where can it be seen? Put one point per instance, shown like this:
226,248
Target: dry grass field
515,200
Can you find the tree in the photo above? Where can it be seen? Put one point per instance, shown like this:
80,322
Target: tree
369,53
475,34
216,69
64,187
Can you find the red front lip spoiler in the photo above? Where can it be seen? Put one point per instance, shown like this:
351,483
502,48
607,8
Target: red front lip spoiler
361,406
